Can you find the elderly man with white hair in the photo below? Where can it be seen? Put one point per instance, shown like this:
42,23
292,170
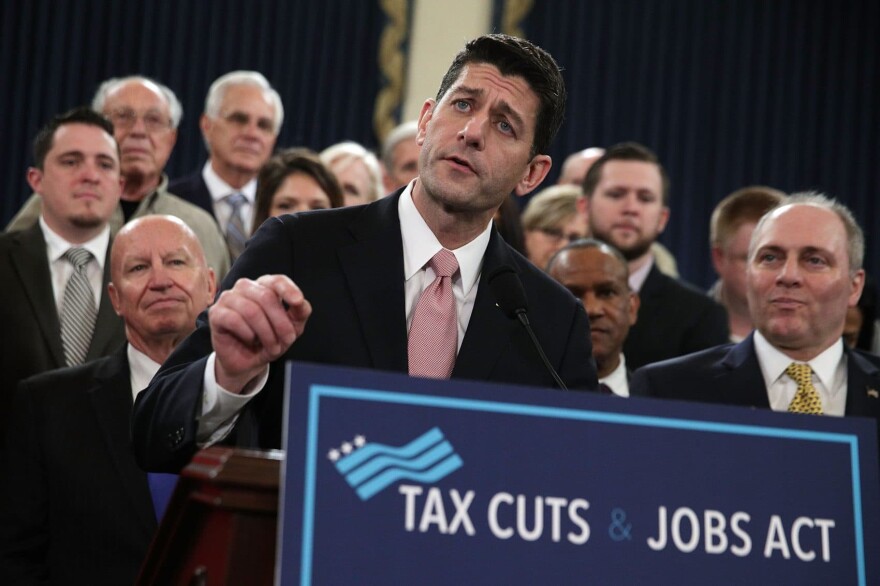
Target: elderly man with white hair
242,118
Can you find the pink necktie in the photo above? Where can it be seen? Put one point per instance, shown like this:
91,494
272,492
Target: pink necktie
433,335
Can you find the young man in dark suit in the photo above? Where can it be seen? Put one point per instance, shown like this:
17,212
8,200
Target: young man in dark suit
627,192
74,506
804,270
355,274
76,174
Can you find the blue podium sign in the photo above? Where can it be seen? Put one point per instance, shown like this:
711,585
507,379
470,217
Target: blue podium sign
393,480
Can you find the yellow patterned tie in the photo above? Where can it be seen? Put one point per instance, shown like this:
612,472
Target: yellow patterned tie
806,399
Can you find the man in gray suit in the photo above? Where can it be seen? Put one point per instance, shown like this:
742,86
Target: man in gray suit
52,306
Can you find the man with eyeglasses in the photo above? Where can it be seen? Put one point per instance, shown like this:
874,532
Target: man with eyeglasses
242,118
145,116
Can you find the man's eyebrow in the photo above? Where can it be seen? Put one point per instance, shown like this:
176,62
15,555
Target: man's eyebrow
71,153
506,109
470,91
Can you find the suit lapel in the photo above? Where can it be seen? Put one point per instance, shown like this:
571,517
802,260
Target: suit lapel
32,267
111,402
489,330
863,386
373,267
108,325
740,381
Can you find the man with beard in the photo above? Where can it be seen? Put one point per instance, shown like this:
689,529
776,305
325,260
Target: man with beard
354,286
52,306
627,193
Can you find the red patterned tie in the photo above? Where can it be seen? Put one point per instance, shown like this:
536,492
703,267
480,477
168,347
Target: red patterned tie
433,335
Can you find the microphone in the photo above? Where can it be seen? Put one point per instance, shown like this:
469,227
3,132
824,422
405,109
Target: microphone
511,298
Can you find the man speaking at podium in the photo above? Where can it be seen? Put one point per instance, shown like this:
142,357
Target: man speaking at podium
403,284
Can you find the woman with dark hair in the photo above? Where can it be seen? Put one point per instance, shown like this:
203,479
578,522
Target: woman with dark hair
294,180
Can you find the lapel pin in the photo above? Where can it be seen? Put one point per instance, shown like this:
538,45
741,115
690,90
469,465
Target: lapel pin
873,393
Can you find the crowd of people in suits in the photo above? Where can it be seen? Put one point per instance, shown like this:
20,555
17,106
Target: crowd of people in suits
110,269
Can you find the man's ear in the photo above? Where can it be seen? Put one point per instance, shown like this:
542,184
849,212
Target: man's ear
717,258
424,116
35,179
664,219
114,297
535,173
634,302
205,123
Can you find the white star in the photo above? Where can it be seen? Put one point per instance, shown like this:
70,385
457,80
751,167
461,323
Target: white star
333,455
359,441
346,448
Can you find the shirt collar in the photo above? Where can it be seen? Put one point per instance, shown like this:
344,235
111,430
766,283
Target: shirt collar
616,381
773,362
142,369
420,244
637,278
219,189
56,245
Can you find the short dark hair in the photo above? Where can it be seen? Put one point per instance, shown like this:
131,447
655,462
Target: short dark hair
46,136
518,57
287,162
626,151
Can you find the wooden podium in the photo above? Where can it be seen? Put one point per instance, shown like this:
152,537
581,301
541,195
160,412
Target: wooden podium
220,526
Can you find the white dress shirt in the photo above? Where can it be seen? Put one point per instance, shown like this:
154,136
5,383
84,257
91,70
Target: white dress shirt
829,376
617,380
637,278
61,269
220,190
220,408
142,369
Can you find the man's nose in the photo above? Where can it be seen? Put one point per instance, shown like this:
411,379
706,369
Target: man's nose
474,131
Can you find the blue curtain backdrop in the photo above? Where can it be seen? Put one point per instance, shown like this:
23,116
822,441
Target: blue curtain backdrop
728,93
322,57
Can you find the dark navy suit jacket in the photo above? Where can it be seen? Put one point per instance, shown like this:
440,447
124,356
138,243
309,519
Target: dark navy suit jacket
193,189
349,264
74,506
730,374
674,319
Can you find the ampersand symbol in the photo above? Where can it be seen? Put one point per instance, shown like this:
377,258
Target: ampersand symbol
619,529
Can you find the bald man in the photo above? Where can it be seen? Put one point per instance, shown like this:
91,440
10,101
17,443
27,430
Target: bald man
74,506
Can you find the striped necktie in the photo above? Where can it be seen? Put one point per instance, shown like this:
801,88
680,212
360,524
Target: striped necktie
78,311
433,334
236,234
